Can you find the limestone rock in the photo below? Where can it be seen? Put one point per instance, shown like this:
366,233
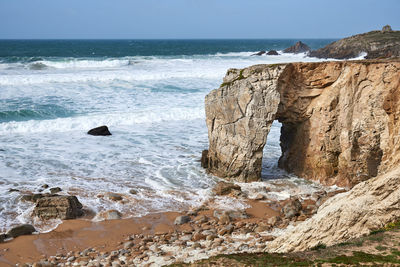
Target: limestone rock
61,207
23,229
377,44
339,120
99,131
298,47
367,206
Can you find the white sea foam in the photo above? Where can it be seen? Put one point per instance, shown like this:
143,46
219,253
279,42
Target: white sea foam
154,107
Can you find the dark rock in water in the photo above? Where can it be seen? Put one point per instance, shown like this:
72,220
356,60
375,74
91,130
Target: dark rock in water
45,186
224,188
376,44
23,229
204,159
61,207
299,47
55,190
13,190
99,131
259,53
272,53
292,208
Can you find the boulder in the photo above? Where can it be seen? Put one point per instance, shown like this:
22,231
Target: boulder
224,188
299,47
181,220
58,207
272,53
259,53
23,229
99,131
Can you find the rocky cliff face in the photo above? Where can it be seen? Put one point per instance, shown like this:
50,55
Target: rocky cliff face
369,205
377,44
340,120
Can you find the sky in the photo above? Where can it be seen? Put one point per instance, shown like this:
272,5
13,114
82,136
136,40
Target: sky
187,19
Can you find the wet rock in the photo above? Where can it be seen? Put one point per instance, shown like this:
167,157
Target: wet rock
61,207
55,190
23,229
32,197
272,53
204,159
114,196
45,186
3,237
182,220
99,131
259,53
225,188
292,208
299,47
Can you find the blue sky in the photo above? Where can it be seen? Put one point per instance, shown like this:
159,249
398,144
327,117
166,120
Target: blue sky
144,19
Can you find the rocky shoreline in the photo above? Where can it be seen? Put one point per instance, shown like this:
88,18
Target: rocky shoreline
196,234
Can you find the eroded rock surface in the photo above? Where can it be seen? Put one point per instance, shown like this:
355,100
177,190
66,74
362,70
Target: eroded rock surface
340,120
62,207
369,205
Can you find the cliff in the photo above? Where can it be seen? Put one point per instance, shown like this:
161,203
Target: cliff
340,120
377,44
369,205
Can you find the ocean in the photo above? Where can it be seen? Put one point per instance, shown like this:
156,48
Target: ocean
150,93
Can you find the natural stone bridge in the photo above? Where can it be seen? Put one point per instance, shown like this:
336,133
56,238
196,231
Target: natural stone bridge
340,120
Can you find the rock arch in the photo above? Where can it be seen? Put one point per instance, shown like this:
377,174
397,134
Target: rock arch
339,120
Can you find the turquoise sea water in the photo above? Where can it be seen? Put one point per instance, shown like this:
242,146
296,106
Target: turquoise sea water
151,95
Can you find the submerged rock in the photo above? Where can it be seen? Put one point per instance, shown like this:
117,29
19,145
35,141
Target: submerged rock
58,207
23,229
55,190
299,47
99,131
